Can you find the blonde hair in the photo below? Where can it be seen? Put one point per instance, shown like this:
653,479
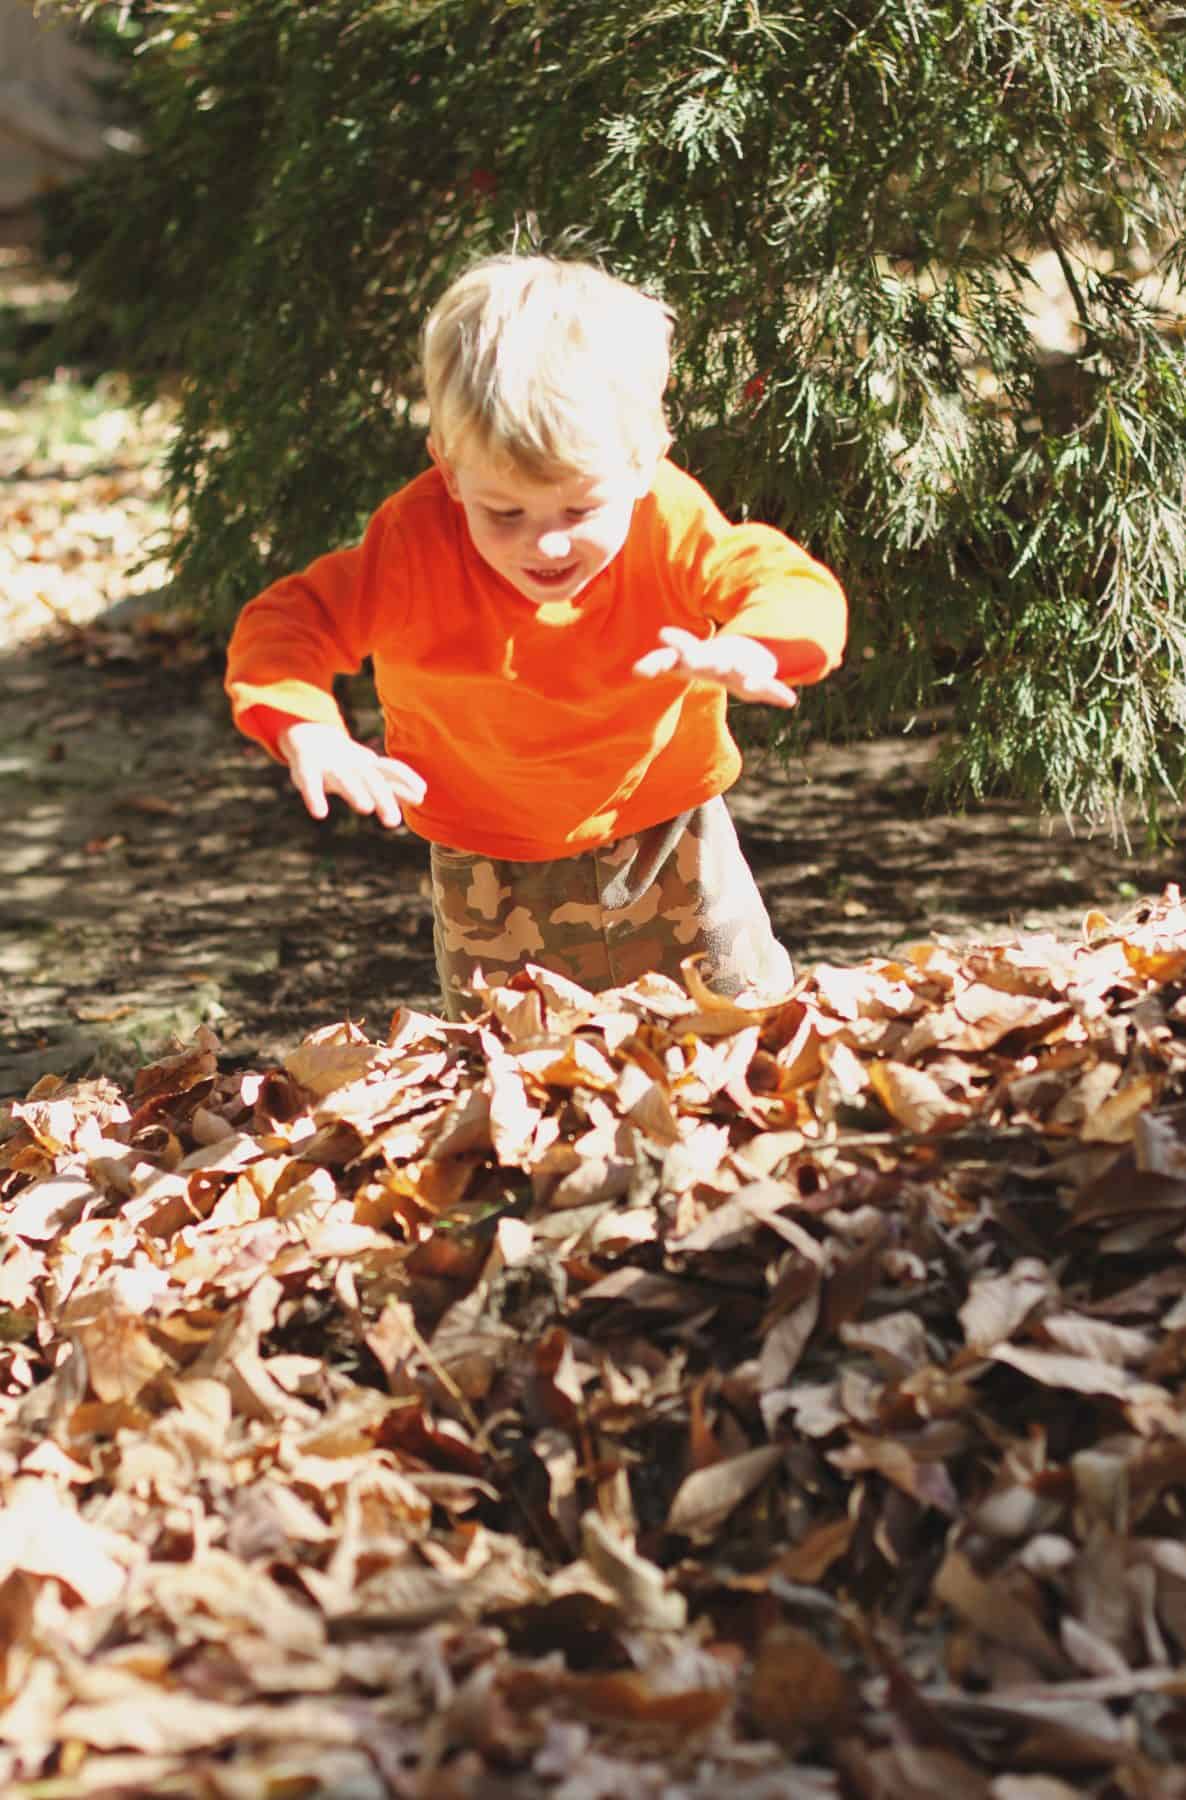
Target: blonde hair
552,367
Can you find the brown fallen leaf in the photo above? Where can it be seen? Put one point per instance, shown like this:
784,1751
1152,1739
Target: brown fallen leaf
798,1694
998,1305
626,1697
1076,1374
907,1772
153,804
42,1534
1115,1121
321,1067
925,1481
999,1613
1160,965
648,1601
915,1099
1159,1143
706,1497
121,1357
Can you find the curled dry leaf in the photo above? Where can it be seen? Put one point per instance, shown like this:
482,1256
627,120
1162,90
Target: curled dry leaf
706,1497
913,1098
642,1589
999,1305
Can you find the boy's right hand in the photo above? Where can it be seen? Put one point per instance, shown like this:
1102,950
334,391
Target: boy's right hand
323,760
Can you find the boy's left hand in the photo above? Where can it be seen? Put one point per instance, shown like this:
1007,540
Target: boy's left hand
740,665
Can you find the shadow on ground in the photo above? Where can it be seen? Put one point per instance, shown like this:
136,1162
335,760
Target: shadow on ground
857,859
159,871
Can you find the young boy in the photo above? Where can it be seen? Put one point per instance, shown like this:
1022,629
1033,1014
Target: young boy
556,615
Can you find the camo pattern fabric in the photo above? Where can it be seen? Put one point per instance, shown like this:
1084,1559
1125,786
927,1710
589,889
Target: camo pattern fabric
607,916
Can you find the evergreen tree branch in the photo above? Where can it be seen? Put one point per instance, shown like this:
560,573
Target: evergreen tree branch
1056,244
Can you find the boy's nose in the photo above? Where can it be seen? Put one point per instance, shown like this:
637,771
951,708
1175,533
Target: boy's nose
555,544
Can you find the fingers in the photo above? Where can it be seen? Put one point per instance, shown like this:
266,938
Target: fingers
297,745
401,779
740,665
323,761
680,651
765,689
772,693
310,786
365,791
657,662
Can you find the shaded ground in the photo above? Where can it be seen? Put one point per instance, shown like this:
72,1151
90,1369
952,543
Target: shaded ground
161,876
157,871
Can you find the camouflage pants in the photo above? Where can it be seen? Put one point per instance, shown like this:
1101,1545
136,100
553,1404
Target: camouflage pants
607,916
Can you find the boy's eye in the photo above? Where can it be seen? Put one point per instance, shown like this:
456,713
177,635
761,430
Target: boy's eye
581,512
503,517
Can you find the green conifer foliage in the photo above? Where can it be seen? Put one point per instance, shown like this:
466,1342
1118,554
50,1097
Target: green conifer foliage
844,204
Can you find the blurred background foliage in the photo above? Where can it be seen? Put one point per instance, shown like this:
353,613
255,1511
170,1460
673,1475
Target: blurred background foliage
926,255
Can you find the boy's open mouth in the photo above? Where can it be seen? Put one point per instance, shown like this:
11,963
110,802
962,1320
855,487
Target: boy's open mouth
552,577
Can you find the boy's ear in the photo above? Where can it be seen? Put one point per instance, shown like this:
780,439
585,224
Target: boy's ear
446,471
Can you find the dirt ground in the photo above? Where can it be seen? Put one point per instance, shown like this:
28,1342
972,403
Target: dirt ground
158,871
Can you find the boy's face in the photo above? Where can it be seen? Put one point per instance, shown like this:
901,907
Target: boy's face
548,539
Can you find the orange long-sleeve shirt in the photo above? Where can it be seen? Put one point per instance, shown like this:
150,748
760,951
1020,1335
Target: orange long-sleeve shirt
533,735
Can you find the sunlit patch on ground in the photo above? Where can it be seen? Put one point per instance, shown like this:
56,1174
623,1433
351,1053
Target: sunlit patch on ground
82,509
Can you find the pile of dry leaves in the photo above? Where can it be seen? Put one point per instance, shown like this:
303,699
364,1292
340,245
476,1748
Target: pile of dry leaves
615,1397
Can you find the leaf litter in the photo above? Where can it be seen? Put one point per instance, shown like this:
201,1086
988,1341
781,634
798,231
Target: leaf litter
617,1395
84,513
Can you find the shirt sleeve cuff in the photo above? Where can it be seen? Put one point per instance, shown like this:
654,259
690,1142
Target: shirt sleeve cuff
265,723
799,659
